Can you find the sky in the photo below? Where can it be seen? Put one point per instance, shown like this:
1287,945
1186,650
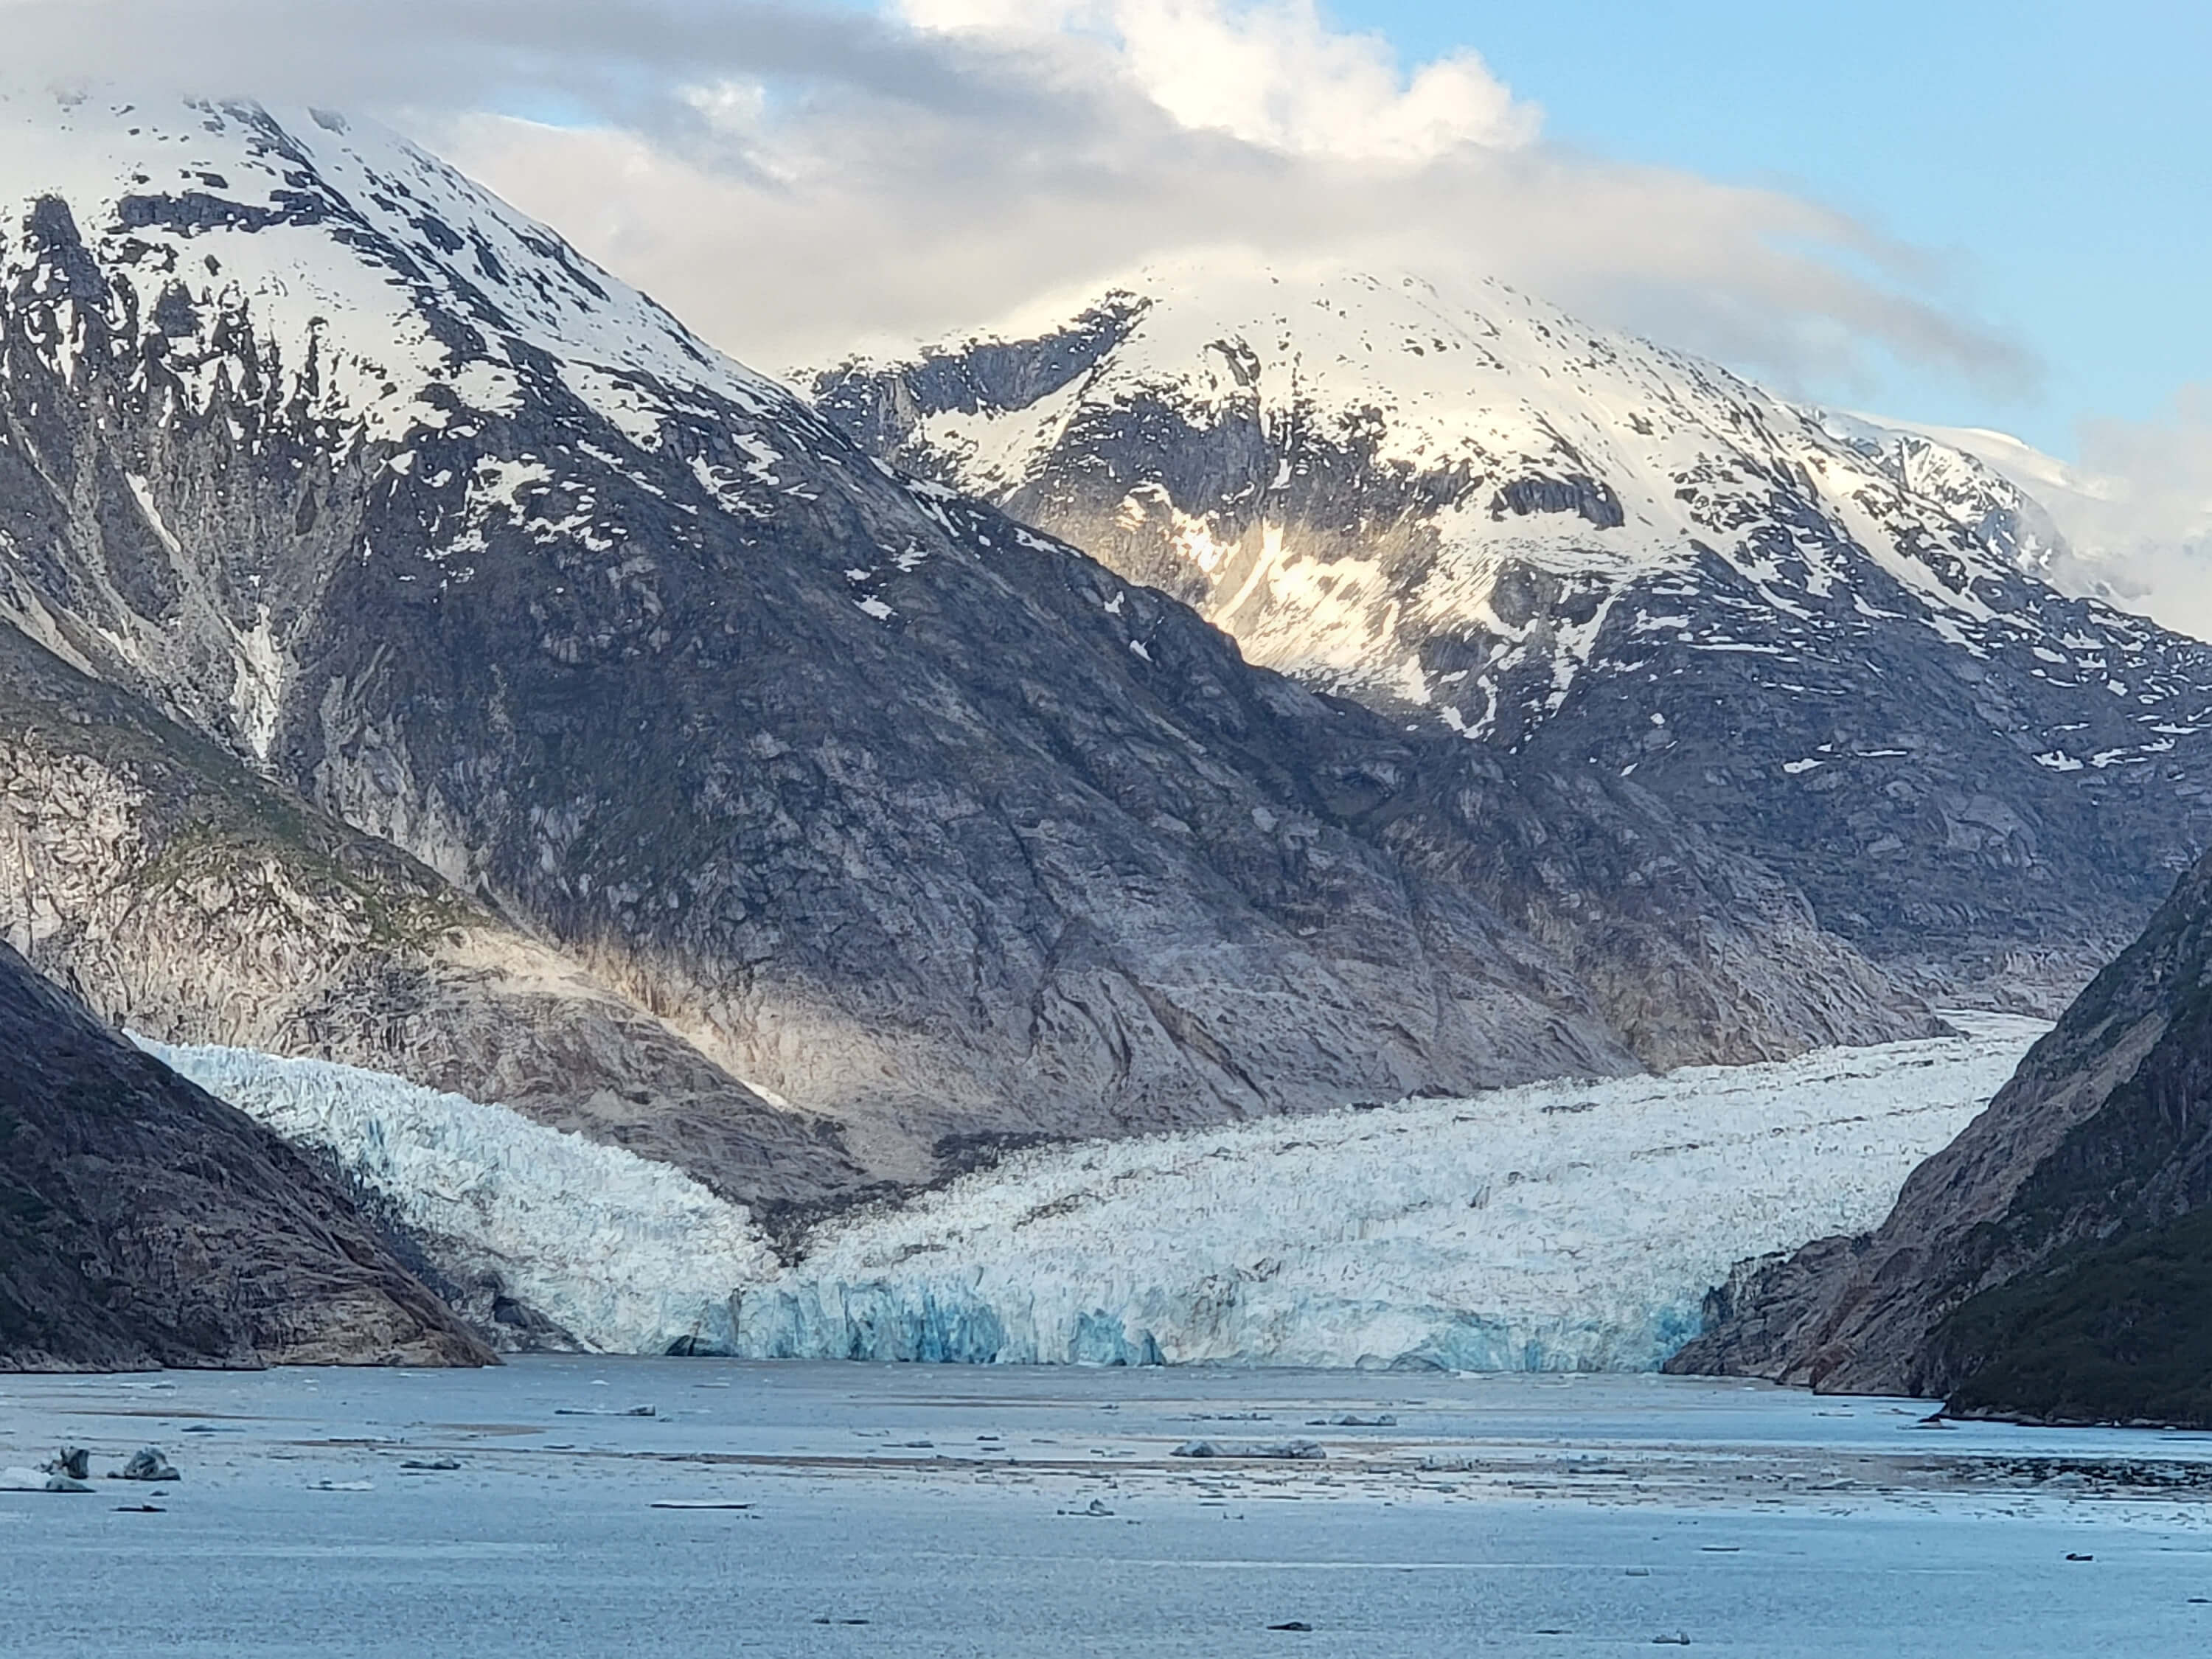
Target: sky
2055,156
1953,212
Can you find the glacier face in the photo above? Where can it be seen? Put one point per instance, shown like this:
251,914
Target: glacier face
624,1255
1571,1226
1565,1226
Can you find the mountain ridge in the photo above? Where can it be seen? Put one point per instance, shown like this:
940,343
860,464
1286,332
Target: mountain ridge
908,821
1829,647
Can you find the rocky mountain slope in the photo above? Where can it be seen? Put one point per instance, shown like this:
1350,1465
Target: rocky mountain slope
1826,646
188,898
889,811
144,1222
2050,1261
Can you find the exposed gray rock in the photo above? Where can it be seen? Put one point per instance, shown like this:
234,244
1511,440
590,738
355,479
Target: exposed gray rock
1825,650
2103,1135
187,898
881,807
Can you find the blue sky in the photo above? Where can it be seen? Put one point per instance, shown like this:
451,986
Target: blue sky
2055,155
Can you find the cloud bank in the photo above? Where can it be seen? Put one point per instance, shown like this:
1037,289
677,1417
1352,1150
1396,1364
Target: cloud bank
792,178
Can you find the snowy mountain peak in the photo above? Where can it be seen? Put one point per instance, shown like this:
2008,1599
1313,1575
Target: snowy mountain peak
217,224
322,454
1835,645
1340,466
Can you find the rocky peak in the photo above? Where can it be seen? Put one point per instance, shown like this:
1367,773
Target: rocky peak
1828,644
914,820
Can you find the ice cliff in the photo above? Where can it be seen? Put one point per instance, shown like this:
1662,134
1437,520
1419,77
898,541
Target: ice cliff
1558,1226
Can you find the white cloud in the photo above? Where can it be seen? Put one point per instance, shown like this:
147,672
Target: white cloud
792,178
2140,516
1272,75
811,213
2136,509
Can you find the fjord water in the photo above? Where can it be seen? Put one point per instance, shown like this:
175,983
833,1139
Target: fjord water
957,1511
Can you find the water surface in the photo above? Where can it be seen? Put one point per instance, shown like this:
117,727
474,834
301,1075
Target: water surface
1026,1511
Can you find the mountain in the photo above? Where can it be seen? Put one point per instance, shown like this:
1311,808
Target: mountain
2053,1260
142,1222
753,772
192,900
1826,646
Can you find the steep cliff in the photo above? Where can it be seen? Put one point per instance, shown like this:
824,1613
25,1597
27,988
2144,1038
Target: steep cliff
144,1222
183,895
2051,1260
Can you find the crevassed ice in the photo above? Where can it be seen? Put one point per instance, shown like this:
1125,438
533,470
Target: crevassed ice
624,1254
1558,1226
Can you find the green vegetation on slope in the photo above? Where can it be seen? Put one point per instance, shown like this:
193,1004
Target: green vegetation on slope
2121,1334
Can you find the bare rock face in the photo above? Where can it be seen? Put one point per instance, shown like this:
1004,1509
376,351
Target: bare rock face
1827,650
142,1222
183,896
2099,1148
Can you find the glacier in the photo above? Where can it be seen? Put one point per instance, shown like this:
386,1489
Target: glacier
1563,1226
622,1254
1559,1226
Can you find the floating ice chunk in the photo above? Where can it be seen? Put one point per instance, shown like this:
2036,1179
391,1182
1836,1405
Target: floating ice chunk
1303,1451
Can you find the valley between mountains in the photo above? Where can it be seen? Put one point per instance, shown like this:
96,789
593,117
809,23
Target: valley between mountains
1265,817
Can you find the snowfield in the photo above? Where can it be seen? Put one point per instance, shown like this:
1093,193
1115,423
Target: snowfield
1564,1226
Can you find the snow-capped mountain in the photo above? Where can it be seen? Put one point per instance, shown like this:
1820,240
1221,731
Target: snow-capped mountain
908,821
1827,644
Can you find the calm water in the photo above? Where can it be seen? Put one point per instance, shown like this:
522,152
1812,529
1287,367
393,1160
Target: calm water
965,1512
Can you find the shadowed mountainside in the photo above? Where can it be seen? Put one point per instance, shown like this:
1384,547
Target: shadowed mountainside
142,1222
2051,1262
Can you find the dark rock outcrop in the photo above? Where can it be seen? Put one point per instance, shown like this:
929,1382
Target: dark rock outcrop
2051,1261
144,1222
